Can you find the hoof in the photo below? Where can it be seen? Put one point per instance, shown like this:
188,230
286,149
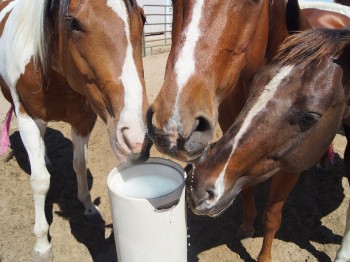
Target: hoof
46,256
243,232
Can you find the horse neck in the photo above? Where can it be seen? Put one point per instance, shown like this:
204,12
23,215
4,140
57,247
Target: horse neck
284,17
277,29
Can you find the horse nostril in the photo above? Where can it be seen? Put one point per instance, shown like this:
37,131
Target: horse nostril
201,135
203,125
211,194
133,140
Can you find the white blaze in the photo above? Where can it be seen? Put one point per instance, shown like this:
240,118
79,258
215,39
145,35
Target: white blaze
185,65
266,96
131,115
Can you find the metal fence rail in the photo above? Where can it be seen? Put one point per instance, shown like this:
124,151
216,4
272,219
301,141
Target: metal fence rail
157,30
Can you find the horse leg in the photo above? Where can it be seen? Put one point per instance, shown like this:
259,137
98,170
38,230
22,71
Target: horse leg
39,181
247,229
42,125
343,253
282,185
80,144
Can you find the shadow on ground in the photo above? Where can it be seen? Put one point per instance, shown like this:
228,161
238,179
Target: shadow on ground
63,191
315,196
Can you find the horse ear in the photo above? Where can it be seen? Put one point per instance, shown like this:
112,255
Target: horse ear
285,17
295,19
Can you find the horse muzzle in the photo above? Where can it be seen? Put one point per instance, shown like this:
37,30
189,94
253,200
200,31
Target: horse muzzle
189,147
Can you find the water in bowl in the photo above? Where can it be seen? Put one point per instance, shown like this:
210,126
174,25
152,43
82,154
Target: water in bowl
147,181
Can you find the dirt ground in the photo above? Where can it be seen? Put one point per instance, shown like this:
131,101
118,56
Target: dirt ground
313,218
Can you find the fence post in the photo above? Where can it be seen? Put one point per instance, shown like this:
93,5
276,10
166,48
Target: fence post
143,43
149,33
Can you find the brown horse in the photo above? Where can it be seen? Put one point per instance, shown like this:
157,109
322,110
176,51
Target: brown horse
212,60
291,116
207,74
71,60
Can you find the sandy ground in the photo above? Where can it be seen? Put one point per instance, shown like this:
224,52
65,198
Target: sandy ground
313,218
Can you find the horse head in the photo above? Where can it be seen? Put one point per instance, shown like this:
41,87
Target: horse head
291,116
102,61
212,60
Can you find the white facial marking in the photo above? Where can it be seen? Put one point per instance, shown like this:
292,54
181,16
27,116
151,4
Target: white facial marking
185,65
266,96
131,115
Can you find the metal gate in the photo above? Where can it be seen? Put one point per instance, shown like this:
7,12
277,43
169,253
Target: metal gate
157,30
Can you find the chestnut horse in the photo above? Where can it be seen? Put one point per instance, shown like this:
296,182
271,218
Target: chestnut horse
292,114
212,60
208,74
71,60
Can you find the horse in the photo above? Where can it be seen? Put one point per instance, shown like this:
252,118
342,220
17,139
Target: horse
207,75
71,61
291,116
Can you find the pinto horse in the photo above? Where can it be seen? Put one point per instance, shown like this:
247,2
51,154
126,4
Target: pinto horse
71,60
292,114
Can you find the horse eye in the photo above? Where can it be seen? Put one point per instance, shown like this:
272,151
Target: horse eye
74,24
308,120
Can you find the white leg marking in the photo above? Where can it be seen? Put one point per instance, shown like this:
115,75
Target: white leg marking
131,114
186,64
79,164
39,179
343,254
266,96
42,125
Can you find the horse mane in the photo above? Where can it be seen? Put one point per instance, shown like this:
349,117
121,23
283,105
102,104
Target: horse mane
27,33
312,46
